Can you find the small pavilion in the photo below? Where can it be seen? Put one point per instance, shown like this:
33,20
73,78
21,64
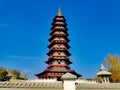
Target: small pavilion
103,74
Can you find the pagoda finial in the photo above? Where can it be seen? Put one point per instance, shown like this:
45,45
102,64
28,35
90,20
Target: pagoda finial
102,68
59,12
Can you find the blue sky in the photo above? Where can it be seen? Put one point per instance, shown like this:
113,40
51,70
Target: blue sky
94,28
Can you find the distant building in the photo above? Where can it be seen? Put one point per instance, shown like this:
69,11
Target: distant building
103,74
58,61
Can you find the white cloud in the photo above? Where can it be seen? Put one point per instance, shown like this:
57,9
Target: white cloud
23,57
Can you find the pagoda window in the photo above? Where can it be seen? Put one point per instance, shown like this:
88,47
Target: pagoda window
59,53
59,62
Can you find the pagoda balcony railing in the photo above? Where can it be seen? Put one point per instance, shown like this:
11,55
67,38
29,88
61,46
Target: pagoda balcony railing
59,23
57,65
58,48
66,44
58,57
58,28
64,36
59,41
59,19
58,34
55,48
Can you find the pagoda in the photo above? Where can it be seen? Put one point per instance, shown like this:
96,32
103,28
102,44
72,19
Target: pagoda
58,61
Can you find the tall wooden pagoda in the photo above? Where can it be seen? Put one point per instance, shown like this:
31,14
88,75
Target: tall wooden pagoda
58,61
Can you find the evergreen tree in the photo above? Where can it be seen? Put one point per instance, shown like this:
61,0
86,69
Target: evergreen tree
4,74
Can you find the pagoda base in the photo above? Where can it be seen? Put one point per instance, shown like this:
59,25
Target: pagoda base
47,74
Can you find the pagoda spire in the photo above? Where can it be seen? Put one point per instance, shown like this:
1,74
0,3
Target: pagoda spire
59,12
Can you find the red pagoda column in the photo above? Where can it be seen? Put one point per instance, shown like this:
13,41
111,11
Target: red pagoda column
58,61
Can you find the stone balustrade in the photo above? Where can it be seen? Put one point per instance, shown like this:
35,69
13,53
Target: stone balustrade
31,85
41,80
85,81
98,86
58,85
